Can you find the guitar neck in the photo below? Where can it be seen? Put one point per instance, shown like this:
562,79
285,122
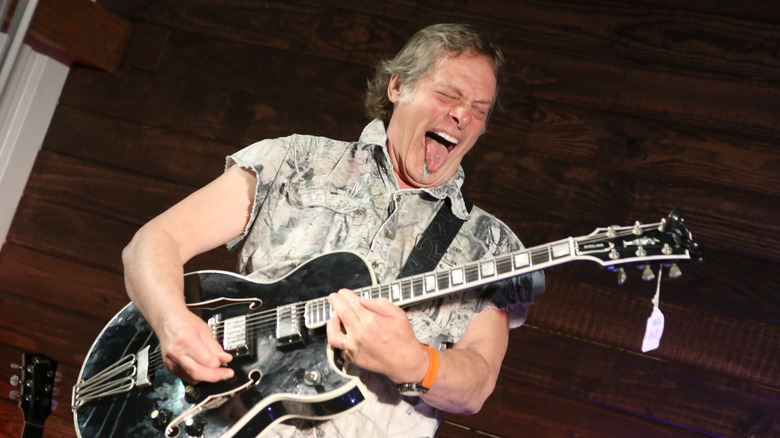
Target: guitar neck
430,285
32,430
662,242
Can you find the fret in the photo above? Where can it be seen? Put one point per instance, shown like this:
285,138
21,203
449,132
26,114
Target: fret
457,276
541,256
395,292
384,292
406,289
504,265
417,286
522,260
327,310
443,280
472,273
560,250
319,315
487,269
430,283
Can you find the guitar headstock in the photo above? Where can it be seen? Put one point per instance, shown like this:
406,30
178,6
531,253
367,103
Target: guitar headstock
664,242
36,394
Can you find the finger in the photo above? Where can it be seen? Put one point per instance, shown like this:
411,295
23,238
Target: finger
217,351
206,351
334,329
195,372
343,309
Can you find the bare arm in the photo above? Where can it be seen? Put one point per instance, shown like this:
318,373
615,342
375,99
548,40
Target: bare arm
379,338
154,260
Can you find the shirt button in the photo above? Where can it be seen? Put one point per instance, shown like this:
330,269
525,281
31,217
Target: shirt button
374,264
386,234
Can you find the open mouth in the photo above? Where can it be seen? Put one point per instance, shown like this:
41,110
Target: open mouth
443,138
438,145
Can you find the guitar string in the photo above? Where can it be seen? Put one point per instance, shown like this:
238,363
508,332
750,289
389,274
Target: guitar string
267,319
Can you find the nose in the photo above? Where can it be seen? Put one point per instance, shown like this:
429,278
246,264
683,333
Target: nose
461,115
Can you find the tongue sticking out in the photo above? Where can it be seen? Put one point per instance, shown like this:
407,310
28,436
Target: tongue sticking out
435,154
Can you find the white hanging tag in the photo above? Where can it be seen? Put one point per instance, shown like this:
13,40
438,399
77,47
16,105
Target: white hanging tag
654,331
655,323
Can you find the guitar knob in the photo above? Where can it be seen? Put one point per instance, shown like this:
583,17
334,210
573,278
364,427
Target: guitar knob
192,394
161,418
193,427
312,377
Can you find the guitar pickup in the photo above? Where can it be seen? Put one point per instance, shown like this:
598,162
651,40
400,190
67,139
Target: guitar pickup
288,325
235,338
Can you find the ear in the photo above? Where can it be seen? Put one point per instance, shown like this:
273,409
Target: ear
394,89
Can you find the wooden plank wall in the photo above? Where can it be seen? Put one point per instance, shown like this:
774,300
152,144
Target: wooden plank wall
615,111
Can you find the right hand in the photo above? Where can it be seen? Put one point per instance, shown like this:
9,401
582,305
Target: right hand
190,351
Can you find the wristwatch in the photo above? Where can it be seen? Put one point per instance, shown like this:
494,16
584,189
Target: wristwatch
411,389
416,389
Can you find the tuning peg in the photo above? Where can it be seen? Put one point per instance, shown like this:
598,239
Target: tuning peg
13,395
647,273
57,377
16,366
54,405
674,271
55,391
621,276
14,380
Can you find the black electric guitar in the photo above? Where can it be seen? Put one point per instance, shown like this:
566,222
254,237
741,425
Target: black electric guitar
284,367
38,375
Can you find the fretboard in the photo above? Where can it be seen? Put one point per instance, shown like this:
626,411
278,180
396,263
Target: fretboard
421,287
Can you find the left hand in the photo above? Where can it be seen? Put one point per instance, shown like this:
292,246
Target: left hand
378,336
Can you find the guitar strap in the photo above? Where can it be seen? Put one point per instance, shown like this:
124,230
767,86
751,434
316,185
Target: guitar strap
434,241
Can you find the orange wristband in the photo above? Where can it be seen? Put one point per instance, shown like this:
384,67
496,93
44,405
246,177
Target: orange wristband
433,367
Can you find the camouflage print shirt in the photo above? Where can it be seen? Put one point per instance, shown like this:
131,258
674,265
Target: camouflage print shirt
316,195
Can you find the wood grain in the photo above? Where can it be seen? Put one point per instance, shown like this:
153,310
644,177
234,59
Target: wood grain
613,111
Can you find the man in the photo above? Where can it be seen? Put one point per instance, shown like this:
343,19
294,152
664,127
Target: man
291,199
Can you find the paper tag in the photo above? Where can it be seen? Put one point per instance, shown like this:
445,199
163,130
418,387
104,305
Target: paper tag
654,331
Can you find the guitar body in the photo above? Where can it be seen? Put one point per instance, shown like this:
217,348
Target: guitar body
300,378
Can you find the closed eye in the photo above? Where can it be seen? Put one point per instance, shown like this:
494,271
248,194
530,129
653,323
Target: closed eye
481,113
446,97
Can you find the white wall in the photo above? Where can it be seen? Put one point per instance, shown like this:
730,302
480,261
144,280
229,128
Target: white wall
26,110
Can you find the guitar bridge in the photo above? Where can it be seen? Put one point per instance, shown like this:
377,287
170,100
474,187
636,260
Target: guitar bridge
288,326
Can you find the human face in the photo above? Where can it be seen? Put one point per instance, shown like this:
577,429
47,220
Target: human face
439,119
